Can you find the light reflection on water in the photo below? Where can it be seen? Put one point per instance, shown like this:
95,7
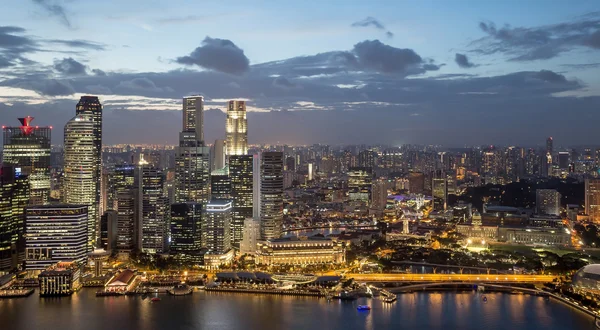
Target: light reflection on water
434,310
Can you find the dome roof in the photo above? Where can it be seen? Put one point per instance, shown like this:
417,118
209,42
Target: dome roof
588,277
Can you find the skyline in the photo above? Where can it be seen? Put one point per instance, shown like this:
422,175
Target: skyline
437,73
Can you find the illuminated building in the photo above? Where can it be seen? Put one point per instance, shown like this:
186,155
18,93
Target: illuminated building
186,231
366,158
251,236
220,184
218,155
592,199
236,128
256,170
27,148
587,279
153,209
192,158
547,201
193,116
242,190
14,197
271,195
123,190
216,227
80,182
359,183
55,233
60,279
300,251
379,194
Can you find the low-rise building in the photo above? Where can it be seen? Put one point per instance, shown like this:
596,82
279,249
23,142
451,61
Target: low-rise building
60,279
122,282
300,251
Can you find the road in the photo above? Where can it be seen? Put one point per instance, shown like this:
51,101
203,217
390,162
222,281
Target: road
451,278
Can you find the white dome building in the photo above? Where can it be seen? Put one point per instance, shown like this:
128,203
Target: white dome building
587,278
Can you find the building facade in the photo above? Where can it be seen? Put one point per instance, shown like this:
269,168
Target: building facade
300,251
242,191
592,199
236,128
27,149
153,209
271,195
186,231
216,227
60,279
547,201
14,197
55,233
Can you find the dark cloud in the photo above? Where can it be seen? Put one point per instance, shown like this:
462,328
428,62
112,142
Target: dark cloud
549,76
5,62
142,84
379,57
219,55
284,83
581,66
371,21
49,87
69,66
54,8
539,43
98,72
463,61
98,89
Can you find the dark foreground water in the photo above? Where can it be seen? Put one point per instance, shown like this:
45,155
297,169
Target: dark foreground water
202,310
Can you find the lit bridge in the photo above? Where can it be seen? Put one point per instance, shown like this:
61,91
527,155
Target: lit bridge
336,226
454,278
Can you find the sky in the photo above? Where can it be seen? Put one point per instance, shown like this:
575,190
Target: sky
339,72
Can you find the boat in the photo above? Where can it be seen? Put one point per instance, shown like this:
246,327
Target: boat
390,299
155,299
363,308
484,299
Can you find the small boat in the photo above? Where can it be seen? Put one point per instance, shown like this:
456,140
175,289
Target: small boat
484,299
363,308
155,299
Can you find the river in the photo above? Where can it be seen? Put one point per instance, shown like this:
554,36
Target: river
213,310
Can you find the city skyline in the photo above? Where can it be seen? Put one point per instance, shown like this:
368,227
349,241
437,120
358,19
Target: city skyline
476,74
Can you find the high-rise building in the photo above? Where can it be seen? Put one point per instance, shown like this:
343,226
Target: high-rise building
549,146
237,128
218,155
81,182
220,184
251,236
108,230
271,195
242,190
186,231
153,209
366,158
547,201
27,149
256,170
192,158
124,192
563,160
193,116
592,199
14,197
90,105
216,226
55,233
359,183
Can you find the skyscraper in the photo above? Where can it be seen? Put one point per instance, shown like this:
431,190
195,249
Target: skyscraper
90,105
218,155
216,227
237,128
123,189
153,209
242,191
192,158
547,201
220,184
81,182
592,199
193,116
186,231
271,191
55,233
14,197
27,148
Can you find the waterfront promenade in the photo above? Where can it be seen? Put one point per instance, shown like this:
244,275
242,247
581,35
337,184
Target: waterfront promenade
480,278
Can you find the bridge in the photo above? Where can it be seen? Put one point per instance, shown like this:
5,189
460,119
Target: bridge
417,287
337,226
453,278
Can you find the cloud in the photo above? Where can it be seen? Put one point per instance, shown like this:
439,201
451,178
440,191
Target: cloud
181,19
371,21
69,66
581,65
98,72
463,61
98,89
49,87
220,55
142,84
53,8
379,57
84,44
284,83
539,43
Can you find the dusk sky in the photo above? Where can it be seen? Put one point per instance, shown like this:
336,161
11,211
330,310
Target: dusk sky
339,72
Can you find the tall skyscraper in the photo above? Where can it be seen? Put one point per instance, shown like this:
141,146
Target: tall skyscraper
216,227
193,116
55,233
90,105
14,197
123,190
81,182
27,148
220,184
237,128
192,158
153,209
271,191
186,231
547,201
592,199
242,191
256,170
218,155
